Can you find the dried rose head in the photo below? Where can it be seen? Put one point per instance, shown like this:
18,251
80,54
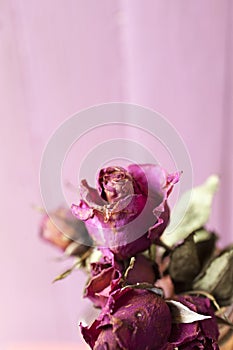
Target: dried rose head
61,229
134,319
108,275
105,276
128,210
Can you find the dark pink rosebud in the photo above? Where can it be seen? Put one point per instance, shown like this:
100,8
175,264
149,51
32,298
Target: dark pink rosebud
108,275
200,334
62,230
100,286
129,208
134,319
143,270
105,277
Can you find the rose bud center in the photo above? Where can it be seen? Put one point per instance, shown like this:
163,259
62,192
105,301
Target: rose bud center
116,184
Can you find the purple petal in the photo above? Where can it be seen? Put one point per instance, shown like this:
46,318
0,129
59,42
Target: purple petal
202,333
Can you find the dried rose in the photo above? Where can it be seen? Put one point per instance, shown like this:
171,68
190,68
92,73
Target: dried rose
108,274
142,270
134,319
105,277
202,334
128,210
62,230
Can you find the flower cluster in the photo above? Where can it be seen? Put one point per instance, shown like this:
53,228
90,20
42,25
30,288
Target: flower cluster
154,291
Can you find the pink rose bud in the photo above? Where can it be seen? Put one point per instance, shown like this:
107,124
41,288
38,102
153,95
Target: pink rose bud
128,210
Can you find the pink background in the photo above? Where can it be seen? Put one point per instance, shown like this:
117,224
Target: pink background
57,57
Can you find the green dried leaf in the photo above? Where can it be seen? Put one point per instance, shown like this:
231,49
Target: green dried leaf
184,264
197,214
152,252
63,275
202,236
217,278
205,245
182,314
68,272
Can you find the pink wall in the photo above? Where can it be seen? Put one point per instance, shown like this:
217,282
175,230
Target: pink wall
57,57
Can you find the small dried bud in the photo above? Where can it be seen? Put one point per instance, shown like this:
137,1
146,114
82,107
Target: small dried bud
61,229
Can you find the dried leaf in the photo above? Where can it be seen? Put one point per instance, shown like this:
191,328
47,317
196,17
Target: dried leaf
225,321
184,264
202,236
152,252
196,215
63,275
205,245
68,272
182,314
217,279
